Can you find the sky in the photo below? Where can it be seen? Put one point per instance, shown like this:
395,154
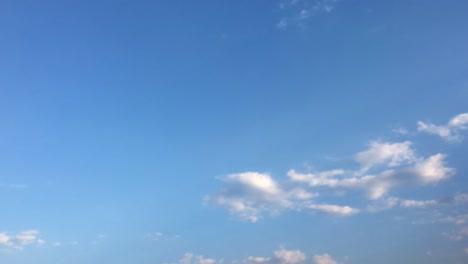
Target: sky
243,132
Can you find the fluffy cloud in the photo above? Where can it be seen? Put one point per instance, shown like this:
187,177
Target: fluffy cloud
251,194
290,256
419,171
21,239
450,131
324,259
382,153
380,168
5,240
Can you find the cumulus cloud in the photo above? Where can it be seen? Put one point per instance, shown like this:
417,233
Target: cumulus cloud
450,131
251,194
290,256
324,259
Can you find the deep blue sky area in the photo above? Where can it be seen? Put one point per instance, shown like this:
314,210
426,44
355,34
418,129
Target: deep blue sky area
247,132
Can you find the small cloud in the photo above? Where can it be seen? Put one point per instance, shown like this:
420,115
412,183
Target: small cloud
324,259
450,131
155,235
333,209
400,130
99,239
304,14
27,237
249,195
459,234
326,6
57,244
282,24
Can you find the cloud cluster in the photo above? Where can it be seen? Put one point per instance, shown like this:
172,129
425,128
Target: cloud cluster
450,131
21,239
190,258
280,256
250,195
380,168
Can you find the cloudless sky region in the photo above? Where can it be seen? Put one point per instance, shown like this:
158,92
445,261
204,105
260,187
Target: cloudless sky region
244,132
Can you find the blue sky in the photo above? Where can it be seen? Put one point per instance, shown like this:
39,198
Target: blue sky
275,132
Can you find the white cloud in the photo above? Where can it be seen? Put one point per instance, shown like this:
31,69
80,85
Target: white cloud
5,240
383,153
324,259
21,239
449,132
155,235
189,258
282,24
333,209
257,260
418,171
27,237
400,130
290,256
251,194
281,256
418,204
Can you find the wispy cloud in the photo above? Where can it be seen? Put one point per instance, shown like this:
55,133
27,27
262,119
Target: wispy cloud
300,11
450,132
